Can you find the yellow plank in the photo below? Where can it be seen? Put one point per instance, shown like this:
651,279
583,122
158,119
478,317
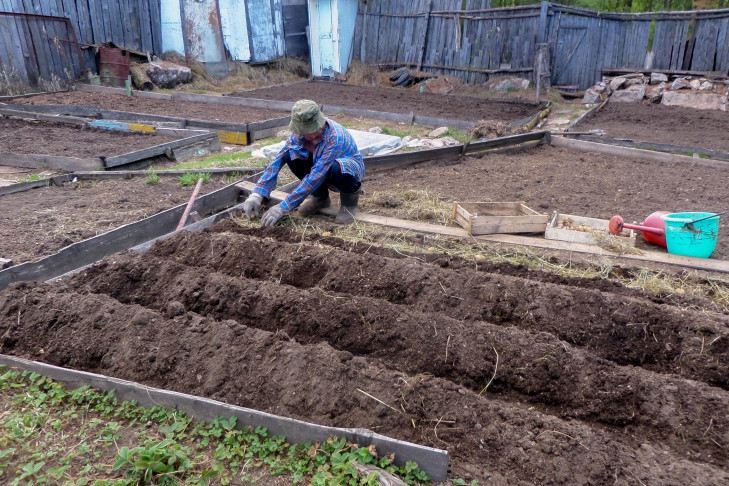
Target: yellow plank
235,138
138,127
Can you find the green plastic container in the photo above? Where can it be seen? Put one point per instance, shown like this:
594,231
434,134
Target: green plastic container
697,241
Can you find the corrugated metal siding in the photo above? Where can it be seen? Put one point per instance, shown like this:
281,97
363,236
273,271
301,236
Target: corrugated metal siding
265,23
234,25
203,35
171,20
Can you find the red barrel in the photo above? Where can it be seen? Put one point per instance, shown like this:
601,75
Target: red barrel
114,66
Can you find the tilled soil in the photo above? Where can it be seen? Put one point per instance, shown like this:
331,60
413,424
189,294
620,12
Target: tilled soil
48,138
549,179
183,109
398,100
39,222
673,125
523,380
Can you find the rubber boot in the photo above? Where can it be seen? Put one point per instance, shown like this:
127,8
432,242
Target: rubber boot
313,204
347,207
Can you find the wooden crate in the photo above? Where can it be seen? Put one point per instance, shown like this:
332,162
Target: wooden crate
595,231
483,218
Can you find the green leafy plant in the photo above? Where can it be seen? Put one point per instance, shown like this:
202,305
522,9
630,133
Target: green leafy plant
152,177
191,178
30,178
155,445
218,160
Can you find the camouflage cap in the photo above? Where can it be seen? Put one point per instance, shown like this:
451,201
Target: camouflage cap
306,117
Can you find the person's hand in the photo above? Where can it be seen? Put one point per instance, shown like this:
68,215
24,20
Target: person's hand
252,205
271,217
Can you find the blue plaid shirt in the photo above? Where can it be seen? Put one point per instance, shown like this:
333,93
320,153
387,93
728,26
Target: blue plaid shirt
336,147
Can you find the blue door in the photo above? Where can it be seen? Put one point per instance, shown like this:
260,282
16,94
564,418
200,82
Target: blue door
326,36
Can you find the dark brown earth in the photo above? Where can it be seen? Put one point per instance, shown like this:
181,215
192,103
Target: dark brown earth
524,377
48,138
551,179
183,109
627,389
398,100
658,123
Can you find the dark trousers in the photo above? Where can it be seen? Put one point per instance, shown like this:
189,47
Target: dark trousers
345,183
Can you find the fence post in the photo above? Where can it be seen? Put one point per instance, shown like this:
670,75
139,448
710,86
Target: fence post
542,71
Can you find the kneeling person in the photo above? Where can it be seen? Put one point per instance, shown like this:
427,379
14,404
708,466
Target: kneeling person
323,155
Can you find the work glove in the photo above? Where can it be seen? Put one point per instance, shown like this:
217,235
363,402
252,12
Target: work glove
252,205
271,217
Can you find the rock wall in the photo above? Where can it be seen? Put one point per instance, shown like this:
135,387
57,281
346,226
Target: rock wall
688,91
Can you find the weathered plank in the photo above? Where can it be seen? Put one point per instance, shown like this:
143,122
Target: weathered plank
50,161
128,174
145,26
234,100
408,158
156,150
122,238
636,154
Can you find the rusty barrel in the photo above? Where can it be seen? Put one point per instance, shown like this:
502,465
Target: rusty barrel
114,64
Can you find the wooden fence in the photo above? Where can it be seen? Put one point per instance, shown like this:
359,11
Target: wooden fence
41,44
477,42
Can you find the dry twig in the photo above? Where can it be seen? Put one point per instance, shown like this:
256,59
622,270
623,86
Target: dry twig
378,401
492,376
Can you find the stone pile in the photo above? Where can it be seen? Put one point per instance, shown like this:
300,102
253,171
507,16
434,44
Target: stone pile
688,91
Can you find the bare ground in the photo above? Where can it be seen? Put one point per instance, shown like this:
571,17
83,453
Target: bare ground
523,376
588,386
658,123
398,100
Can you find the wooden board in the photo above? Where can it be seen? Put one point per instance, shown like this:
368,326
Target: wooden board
481,218
160,149
93,249
50,161
517,240
597,233
637,154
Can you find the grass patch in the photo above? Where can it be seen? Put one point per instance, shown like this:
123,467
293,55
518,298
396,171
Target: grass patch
395,132
216,161
86,437
152,177
191,178
462,137
30,178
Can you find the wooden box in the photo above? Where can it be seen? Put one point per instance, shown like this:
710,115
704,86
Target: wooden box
579,229
483,218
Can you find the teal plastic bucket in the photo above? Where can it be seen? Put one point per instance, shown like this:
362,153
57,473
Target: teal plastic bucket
697,241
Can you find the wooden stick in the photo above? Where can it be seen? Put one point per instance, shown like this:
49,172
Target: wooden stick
183,219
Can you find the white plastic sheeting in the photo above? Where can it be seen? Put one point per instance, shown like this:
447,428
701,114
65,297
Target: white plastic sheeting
368,144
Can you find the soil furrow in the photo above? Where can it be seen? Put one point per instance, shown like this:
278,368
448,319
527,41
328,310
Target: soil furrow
536,366
626,330
228,361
